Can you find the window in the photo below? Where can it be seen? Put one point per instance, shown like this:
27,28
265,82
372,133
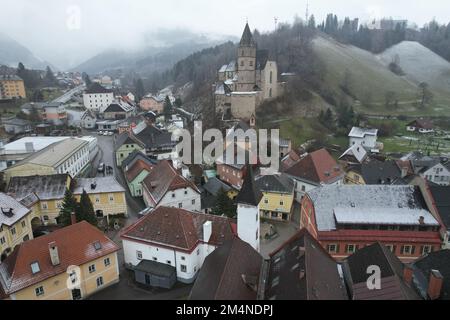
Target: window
185,192
92,268
266,201
251,63
180,205
2,240
198,252
183,268
97,199
193,201
332,248
275,282
44,205
99,281
39,291
23,224
173,195
281,203
111,198
13,231
155,259
183,258
35,267
408,250
303,188
426,250
257,234
169,262
139,255
107,262
46,218
351,248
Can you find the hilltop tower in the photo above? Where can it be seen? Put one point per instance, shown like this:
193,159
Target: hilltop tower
246,62
248,210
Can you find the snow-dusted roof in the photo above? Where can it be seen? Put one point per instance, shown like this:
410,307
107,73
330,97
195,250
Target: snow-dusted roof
362,132
18,210
382,203
220,89
357,151
373,216
224,68
102,185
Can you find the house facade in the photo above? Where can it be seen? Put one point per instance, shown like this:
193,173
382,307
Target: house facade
278,197
176,238
438,174
44,195
88,120
346,218
106,194
125,145
11,86
118,110
421,126
15,225
97,98
41,269
151,103
136,174
164,186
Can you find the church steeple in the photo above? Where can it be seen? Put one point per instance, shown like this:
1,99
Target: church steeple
247,38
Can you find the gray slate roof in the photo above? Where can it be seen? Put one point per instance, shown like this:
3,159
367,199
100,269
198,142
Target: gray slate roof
214,185
382,201
275,183
45,187
250,193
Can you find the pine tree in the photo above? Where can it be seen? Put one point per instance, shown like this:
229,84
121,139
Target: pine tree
224,205
85,210
50,78
69,205
140,90
167,108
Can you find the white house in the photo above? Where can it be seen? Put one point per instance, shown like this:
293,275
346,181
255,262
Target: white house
364,137
177,238
97,98
439,174
164,186
88,120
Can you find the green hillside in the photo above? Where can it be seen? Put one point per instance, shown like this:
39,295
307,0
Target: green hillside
370,80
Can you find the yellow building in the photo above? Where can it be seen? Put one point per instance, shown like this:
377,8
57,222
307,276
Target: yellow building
11,86
15,224
67,156
106,194
68,264
278,197
44,195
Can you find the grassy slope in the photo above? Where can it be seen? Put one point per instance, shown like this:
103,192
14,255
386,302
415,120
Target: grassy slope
370,76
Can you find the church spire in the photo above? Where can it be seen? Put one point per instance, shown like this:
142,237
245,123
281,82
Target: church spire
247,38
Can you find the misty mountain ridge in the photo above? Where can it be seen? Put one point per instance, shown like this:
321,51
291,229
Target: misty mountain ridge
159,51
12,52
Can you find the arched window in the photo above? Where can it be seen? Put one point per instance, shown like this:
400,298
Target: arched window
270,93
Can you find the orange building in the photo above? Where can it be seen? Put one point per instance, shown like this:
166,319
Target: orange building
345,219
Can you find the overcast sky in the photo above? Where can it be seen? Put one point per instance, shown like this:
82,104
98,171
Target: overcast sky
53,30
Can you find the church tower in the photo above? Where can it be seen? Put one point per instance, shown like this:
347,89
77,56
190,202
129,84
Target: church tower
248,199
246,62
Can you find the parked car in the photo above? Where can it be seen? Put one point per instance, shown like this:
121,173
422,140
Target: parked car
100,133
110,133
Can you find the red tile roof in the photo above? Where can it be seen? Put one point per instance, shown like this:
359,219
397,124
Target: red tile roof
75,247
178,228
164,178
137,168
318,167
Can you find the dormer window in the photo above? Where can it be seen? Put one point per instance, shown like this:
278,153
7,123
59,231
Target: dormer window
35,267
97,245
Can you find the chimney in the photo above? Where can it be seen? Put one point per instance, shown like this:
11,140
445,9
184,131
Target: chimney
207,231
73,218
435,285
422,220
54,256
408,274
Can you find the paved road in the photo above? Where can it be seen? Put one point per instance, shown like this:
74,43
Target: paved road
69,94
